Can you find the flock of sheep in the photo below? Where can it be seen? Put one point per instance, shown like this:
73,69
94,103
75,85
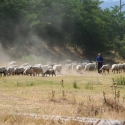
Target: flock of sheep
114,68
86,66
27,69
53,68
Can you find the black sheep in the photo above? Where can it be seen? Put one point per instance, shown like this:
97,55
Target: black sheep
50,72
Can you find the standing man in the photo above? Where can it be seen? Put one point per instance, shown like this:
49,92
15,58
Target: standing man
99,62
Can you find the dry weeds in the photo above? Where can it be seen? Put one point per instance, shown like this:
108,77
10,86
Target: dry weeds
56,96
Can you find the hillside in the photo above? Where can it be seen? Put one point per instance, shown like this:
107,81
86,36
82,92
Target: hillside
42,53
38,54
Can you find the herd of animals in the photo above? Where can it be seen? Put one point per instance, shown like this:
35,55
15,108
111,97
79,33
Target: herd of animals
52,68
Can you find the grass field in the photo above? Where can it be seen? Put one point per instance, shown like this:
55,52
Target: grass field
79,95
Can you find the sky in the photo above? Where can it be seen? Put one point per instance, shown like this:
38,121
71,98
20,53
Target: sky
112,3
112,0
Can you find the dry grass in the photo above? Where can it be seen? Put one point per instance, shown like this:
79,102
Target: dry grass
49,96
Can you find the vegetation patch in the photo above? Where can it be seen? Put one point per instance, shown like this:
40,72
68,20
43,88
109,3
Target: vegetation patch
119,80
97,97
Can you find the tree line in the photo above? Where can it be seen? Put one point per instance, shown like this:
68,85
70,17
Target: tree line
81,24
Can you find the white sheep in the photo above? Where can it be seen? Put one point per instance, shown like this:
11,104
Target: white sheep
115,67
79,68
38,64
24,64
88,66
74,66
105,68
57,68
123,67
120,67
68,67
12,63
83,65
14,66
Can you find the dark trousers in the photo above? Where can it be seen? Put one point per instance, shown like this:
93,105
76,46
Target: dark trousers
99,66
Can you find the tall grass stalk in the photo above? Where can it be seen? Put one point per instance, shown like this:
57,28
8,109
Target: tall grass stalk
75,84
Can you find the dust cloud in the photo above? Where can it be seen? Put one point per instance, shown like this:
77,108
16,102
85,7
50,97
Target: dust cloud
4,57
31,47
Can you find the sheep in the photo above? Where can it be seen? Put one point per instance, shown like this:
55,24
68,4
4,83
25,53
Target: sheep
45,67
74,66
38,64
78,68
3,70
57,68
83,65
74,62
11,71
51,64
19,71
115,67
12,63
104,67
89,65
50,72
50,67
28,71
14,66
123,67
68,67
28,66
24,64
120,67
66,62
93,66
37,70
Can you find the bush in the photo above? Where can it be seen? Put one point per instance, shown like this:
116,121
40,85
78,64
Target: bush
119,80
75,84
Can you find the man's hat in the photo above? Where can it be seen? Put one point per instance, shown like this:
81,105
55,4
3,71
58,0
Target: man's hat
99,54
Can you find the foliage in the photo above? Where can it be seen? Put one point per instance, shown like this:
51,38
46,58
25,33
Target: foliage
121,47
75,84
81,24
119,80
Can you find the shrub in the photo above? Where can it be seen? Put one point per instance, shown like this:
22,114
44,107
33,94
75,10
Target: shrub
119,80
75,84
